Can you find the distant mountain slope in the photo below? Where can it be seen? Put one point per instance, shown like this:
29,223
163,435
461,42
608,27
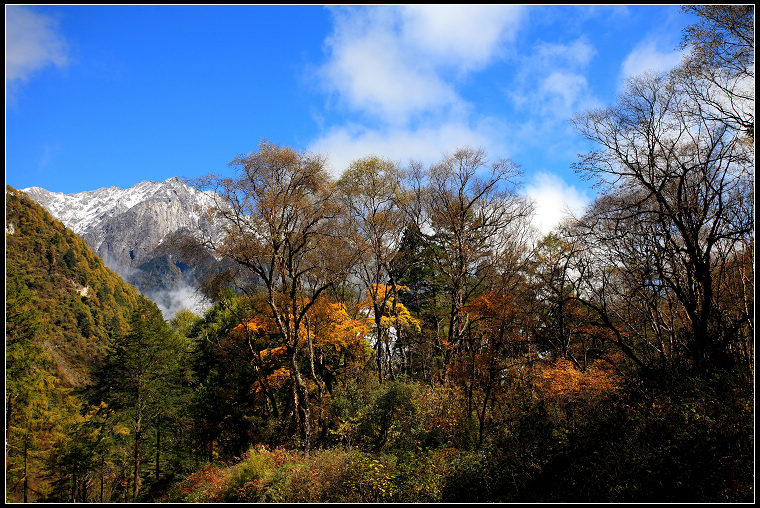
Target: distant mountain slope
79,305
125,227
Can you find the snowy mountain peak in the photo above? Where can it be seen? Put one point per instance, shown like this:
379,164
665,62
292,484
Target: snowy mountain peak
124,226
84,211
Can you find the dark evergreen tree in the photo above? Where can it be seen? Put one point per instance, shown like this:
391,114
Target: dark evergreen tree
143,379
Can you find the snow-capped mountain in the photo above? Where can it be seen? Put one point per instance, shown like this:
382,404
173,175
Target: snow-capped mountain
125,226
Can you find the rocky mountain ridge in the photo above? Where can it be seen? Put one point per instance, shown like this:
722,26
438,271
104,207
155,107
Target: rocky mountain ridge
126,227
147,212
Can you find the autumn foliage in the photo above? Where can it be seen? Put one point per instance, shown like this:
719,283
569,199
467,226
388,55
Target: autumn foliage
403,335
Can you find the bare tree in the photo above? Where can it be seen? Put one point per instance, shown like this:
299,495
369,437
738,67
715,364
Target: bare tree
676,188
277,218
470,214
369,190
719,72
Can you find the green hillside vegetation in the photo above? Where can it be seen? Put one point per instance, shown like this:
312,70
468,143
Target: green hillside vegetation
64,312
83,304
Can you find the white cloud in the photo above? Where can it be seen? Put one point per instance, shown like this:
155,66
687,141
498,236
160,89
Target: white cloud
32,42
551,83
562,93
468,36
649,56
577,54
373,74
427,144
554,200
392,62
400,66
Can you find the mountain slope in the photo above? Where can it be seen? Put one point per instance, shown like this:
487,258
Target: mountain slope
80,305
125,225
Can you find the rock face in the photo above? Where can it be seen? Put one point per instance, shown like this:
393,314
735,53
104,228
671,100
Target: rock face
125,227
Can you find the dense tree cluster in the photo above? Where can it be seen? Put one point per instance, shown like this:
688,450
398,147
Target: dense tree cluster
64,309
400,333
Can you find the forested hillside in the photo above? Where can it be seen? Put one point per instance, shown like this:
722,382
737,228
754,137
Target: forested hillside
401,334
64,309
63,287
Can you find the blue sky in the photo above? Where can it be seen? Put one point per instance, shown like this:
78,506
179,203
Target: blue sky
100,96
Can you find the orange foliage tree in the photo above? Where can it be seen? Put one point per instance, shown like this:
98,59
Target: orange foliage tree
279,219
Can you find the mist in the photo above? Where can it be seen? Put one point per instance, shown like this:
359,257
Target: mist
171,301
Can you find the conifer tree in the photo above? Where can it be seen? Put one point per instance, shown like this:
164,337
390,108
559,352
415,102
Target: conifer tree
142,376
37,405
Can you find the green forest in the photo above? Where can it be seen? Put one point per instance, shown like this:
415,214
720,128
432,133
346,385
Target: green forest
400,335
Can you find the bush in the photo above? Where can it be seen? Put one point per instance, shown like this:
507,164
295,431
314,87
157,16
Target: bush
377,417
675,440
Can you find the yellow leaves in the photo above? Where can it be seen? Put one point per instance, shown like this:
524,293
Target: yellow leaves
332,326
275,380
561,379
272,353
383,295
492,306
94,410
330,311
278,377
382,292
121,429
254,326
351,333
405,319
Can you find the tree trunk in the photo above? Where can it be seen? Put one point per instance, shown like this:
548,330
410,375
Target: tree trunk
158,451
301,394
317,378
138,433
8,418
394,310
379,346
26,465
388,358
136,475
314,375
482,415
102,473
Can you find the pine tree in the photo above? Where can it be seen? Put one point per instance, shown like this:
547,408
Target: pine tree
142,378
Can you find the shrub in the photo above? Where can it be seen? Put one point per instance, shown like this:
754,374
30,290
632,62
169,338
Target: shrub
377,417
